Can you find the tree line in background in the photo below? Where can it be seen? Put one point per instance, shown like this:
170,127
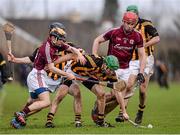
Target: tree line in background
83,33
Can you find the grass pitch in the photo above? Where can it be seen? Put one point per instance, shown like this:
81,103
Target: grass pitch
162,111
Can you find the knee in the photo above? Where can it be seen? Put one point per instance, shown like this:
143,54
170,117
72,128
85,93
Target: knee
101,95
129,86
76,91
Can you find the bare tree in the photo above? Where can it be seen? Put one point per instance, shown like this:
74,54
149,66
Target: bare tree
110,10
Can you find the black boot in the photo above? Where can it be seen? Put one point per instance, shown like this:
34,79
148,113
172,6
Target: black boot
139,117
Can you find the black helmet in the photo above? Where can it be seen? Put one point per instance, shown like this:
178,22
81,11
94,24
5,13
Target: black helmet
56,25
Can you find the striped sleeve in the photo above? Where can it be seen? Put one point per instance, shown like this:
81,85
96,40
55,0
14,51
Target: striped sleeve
47,53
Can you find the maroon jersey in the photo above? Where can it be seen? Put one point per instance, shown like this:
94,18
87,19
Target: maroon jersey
46,54
122,44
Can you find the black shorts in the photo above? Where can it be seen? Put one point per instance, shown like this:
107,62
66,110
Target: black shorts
67,82
89,85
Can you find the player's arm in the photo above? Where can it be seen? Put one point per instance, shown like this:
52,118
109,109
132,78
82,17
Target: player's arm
79,57
120,100
153,41
152,32
55,70
67,57
23,60
142,59
97,42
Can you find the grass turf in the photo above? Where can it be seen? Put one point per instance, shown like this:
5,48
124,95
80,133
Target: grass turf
162,111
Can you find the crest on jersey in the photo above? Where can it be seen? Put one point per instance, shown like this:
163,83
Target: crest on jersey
131,41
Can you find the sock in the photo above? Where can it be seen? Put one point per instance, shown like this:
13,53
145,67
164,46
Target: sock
50,117
26,110
120,112
77,117
100,118
141,108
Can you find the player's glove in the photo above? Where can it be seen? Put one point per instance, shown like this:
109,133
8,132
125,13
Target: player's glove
140,78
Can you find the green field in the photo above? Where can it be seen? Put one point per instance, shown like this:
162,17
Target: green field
162,111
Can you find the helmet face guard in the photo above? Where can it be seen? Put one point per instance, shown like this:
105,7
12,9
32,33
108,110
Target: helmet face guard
58,33
111,62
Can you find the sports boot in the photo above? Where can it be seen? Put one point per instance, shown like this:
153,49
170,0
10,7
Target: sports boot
49,125
15,124
139,117
20,117
78,124
104,124
119,118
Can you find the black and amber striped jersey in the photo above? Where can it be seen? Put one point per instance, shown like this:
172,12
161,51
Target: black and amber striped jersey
92,68
62,65
148,31
59,66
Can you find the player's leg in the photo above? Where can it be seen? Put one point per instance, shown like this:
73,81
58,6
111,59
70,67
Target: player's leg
77,103
43,101
14,123
29,102
111,104
38,92
61,93
143,88
100,93
142,99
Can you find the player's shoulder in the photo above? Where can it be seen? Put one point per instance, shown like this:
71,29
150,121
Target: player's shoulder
137,32
44,47
113,29
145,22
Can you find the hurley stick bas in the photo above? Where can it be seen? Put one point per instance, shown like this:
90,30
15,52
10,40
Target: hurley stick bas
9,30
119,86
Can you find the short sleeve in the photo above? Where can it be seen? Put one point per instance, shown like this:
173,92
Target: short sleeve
151,30
108,35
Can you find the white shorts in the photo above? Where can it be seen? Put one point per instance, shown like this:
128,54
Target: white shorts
36,79
123,74
149,69
52,84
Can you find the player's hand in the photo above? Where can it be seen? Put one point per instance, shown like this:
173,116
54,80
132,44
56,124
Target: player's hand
126,116
81,59
140,78
46,68
10,57
70,76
